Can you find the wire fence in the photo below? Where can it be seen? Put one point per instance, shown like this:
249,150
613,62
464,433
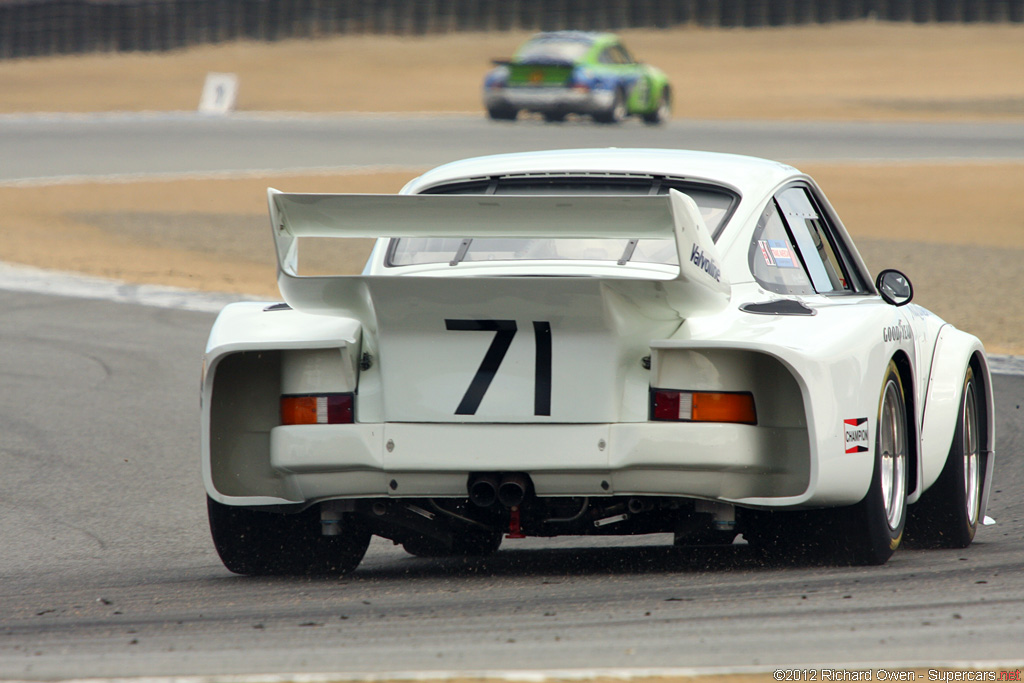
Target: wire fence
46,27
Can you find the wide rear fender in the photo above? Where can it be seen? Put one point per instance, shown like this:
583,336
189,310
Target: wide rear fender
955,351
256,352
795,391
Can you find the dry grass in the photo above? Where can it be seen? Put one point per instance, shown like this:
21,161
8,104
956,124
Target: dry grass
138,232
968,204
851,70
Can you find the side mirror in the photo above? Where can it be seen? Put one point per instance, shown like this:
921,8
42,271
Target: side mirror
894,287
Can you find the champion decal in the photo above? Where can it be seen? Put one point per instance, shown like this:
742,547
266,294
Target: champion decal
856,431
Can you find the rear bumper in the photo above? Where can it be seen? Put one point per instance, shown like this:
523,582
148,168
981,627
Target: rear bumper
552,100
732,463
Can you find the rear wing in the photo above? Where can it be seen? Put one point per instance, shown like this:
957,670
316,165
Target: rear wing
674,216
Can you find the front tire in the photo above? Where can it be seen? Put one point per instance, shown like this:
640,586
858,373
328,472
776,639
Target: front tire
875,525
261,543
947,514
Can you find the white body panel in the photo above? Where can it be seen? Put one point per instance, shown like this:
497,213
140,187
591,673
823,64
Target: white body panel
616,333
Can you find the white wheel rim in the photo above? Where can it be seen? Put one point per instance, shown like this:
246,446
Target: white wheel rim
892,442
972,472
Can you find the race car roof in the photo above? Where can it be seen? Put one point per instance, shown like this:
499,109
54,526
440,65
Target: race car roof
749,176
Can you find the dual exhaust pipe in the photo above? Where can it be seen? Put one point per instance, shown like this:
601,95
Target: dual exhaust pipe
489,488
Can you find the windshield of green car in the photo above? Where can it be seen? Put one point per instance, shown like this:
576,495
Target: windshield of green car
715,204
549,49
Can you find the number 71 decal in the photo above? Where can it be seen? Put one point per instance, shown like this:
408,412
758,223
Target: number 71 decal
504,331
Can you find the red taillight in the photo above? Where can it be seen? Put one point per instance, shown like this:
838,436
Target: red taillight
317,409
665,405
703,406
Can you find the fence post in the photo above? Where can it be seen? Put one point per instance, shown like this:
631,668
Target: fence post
730,13
826,11
662,13
6,30
552,15
126,23
924,11
948,10
849,10
505,12
684,12
756,13
709,13
998,10
616,14
900,10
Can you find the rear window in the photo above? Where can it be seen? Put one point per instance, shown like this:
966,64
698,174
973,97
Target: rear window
552,50
715,204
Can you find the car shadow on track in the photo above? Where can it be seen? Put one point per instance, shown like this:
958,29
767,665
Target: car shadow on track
590,561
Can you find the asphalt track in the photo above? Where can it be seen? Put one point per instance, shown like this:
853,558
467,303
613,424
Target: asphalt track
73,146
106,568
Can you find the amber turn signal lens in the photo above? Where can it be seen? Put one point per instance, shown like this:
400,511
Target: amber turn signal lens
703,406
317,409
710,407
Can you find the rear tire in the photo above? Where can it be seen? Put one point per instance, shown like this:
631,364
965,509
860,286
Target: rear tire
875,525
947,514
500,113
265,543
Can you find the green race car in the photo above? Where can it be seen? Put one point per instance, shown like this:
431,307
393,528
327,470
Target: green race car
576,72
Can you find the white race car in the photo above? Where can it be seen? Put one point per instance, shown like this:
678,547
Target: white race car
588,342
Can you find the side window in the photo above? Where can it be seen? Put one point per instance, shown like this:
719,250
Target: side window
794,249
773,260
619,55
812,239
606,57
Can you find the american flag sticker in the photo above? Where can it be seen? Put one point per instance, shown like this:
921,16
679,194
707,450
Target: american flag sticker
766,252
856,431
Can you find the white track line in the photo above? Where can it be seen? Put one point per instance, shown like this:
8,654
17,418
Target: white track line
16,278
114,178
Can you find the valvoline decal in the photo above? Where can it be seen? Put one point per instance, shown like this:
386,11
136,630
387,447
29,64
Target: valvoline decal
706,264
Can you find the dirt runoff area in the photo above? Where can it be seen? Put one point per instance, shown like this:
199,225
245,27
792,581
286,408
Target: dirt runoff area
956,229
